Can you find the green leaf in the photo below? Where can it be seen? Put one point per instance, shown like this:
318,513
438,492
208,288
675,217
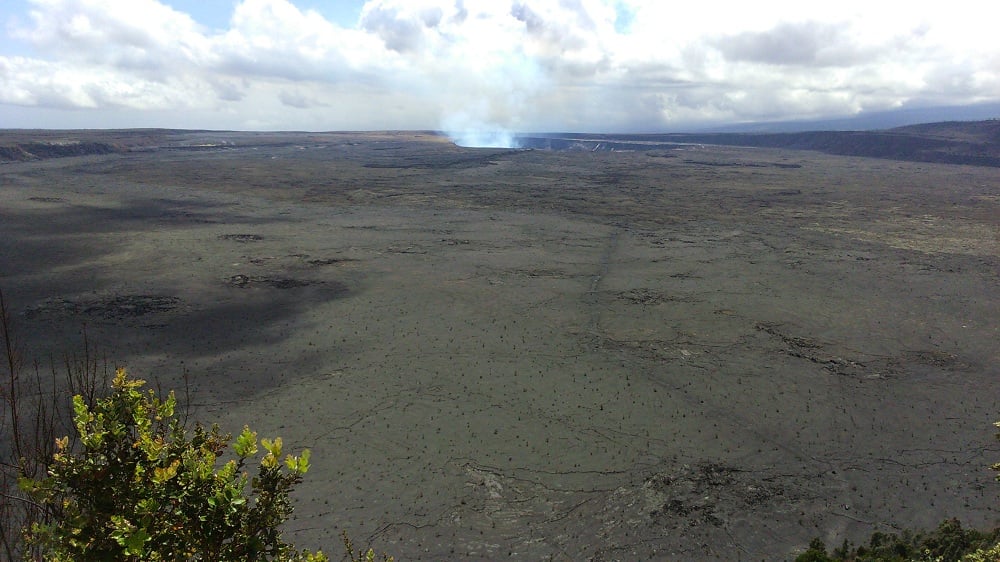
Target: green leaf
166,409
161,475
246,443
300,464
81,415
273,447
135,542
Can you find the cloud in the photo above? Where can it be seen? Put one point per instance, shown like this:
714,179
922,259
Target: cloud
805,43
140,35
299,100
497,66
30,82
274,40
227,89
400,29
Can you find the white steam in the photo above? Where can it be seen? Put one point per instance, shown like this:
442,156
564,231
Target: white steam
496,138
473,133
466,129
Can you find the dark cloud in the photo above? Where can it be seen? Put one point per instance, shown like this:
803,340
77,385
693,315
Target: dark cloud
461,13
399,31
804,43
556,35
532,21
298,100
229,90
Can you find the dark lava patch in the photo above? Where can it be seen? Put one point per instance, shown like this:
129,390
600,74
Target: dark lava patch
696,495
246,281
117,307
241,237
328,261
744,164
648,297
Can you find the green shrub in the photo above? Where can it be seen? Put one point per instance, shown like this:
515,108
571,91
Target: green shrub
948,543
815,553
143,487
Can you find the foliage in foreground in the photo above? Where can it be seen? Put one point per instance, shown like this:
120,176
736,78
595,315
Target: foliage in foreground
34,410
948,543
130,482
143,487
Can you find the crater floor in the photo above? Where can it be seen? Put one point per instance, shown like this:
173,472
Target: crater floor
684,353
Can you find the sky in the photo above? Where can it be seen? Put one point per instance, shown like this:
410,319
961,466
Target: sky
486,68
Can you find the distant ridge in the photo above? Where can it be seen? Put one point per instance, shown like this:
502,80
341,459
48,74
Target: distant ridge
867,121
975,143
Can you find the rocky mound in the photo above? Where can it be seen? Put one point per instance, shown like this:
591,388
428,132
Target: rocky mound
41,150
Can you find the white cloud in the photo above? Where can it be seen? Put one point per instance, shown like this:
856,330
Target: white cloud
31,82
491,66
142,35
